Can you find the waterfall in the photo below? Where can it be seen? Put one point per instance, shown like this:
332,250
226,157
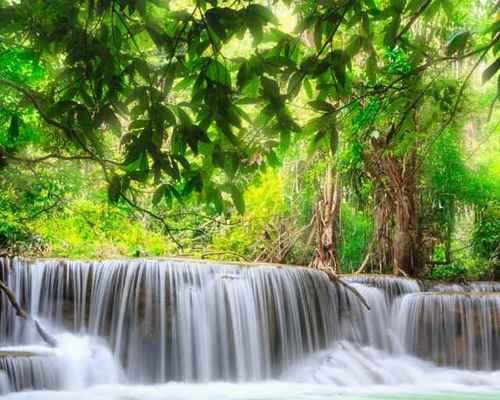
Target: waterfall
155,321
5,386
393,286
367,327
190,321
30,372
460,330
348,364
78,362
483,286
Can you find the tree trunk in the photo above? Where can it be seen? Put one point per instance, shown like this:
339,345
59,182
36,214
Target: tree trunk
384,230
398,239
327,225
379,257
405,252
406,245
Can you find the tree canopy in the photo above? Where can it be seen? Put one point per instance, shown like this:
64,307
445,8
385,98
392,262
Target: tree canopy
169,105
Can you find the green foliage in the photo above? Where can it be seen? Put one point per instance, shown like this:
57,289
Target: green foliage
24,197
94,229
356,236
450,272
20,64
486,233
248,234
156,75
178,110
466,267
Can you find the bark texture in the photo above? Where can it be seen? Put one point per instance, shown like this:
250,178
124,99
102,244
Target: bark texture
327,225
398,235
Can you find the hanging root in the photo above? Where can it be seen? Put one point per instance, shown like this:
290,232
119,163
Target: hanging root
335,279
354,291
13,301
21,313
400,271
44,335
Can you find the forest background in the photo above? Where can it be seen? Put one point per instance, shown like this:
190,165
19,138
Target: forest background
351,135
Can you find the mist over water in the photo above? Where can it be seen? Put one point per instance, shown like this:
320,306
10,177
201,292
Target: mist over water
150,329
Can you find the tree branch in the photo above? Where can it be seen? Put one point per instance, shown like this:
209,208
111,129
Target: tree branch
335,279
450,119
210,253
414,17
55,156
20,312
13,301
155,216
366,260
70,133
353,290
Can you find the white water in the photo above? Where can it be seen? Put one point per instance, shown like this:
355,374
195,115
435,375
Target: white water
344,371
78,362
349,365
459,330
280,333
4,383
184,321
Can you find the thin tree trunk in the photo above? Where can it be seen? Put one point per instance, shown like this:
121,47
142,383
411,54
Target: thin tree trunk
327,225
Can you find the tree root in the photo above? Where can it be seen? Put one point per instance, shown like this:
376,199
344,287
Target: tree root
13,301
44,335
403,273
335,279
355,292
21,313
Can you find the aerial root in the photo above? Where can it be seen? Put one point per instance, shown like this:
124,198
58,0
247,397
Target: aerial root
334,278
21,313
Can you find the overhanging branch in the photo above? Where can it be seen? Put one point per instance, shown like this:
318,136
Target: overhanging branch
13,300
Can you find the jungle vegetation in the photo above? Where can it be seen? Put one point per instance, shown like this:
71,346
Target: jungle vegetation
349,135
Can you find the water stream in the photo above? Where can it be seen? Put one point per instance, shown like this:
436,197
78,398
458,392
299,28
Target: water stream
165,329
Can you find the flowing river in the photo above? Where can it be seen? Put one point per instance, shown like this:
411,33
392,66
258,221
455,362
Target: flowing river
182,330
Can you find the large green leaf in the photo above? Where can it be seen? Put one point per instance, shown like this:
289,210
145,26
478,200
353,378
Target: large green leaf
263,12
237,197
218,73
491,70
457,42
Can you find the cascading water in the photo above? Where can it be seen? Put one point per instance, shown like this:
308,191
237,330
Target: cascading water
77,362
489,287
363,326
392,286
460,330
190,321
30,372
347,364
4,383
484,286
173,320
